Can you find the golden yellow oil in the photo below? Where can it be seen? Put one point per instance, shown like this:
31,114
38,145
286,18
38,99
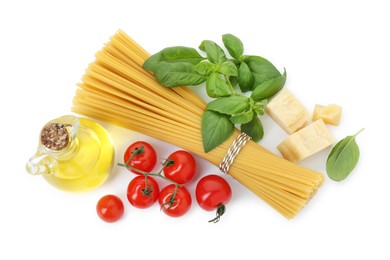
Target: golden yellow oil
89,165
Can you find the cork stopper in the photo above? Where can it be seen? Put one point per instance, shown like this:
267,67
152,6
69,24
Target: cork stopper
55,136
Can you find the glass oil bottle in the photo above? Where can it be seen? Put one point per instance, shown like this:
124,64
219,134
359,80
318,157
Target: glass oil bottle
74,154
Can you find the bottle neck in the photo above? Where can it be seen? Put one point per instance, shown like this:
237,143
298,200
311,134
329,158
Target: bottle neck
58,140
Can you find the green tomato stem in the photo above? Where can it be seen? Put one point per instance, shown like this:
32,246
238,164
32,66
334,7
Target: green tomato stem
171,199
220,211
135,152
158,174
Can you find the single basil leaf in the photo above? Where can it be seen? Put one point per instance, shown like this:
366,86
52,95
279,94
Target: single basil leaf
230,105
173,54
181,54
177,74
233,45
262,70
343,158
243,118
151,63
254,129
216,128
204,68
216,86
258,107
228,68
269,88
245,78
215,54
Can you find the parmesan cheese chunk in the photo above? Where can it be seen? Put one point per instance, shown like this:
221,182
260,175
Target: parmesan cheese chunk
306,142
287,111
330,114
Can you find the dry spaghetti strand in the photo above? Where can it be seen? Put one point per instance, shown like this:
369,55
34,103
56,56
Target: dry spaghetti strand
116,89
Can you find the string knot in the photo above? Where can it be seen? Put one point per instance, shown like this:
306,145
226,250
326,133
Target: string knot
233,151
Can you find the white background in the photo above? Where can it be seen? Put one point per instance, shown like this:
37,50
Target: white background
334,52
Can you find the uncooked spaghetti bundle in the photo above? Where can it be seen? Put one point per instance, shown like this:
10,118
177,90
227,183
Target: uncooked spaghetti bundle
116,89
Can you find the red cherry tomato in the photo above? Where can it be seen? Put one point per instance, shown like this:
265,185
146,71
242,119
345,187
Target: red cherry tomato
141,196
140,155
181,167
110,208
178,206
213,192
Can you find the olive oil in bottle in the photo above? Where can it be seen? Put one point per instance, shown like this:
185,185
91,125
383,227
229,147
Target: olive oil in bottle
74,154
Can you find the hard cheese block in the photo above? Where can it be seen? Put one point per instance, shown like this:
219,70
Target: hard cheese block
331,114
287,111
306,142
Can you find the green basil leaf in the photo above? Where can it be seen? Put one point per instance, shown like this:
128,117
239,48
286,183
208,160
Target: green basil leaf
151,63
173,54
343,158
181,54
233,45
243,118
215,54
245,78
204,68
177,74
269,88
228,68
254,129
216,86
262,70
230,105
216,128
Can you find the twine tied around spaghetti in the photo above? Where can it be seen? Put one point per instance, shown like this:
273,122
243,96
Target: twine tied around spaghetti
233,151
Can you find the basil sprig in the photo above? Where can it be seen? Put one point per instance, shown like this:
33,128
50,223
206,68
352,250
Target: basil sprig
343,158
178,66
